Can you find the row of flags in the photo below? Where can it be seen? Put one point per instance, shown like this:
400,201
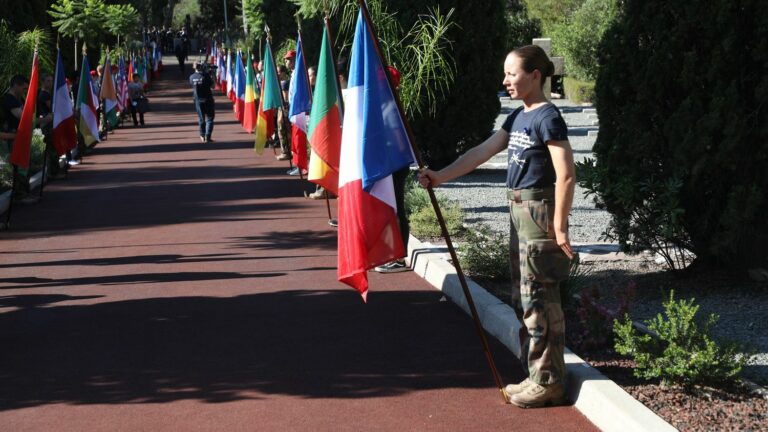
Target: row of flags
354,151
113,90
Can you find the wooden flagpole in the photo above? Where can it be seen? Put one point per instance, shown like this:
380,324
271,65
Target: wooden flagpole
443,227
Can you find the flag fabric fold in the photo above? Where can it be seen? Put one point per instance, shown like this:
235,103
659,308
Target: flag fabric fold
239,85
374,144
20,152
249,105
325,123
300,105
269,102
89,124
231,78
64,132
221,72
109,94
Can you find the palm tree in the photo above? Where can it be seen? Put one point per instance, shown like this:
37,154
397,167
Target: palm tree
80,19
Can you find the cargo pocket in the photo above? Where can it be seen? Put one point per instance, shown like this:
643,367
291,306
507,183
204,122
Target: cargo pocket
546,262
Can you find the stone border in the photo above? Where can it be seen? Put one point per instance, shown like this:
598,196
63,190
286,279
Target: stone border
599,399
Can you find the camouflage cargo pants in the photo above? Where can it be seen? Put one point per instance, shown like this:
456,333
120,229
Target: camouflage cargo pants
538,266
284,133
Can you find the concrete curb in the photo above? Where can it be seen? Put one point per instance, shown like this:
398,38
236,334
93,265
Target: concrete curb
602,401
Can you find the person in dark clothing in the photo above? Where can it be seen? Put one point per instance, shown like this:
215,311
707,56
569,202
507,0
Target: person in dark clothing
202,83
45,121
135,93
12,106
181,56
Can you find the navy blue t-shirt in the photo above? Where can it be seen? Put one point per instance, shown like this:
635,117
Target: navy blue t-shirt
530,165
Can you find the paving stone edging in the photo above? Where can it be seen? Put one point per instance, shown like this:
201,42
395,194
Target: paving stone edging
602,401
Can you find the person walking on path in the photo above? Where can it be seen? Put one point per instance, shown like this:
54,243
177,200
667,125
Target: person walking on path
202,83
135,94
181,57
540,182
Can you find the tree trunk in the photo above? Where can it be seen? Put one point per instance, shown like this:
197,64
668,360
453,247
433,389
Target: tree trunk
169,13
75,53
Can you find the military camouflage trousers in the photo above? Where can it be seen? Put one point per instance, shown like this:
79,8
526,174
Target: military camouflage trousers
538,266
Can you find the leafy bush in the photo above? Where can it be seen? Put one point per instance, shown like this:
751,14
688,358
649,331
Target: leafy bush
684,352
550,13
424,222
579,91
484,253
421,214
578,38
683,144
6,175
37,151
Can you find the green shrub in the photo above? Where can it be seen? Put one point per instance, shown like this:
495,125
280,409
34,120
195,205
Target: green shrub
37,151
683,141
550,13
684,352
578,38
424,222
6,175
484,253
579,91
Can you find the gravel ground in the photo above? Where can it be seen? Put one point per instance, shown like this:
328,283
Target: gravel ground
740,304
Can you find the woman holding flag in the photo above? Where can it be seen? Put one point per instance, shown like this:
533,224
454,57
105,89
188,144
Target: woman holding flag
540,182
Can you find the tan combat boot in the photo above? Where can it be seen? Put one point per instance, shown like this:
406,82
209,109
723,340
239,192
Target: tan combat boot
512,389
537,395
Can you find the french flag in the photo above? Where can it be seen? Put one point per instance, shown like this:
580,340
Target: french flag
64,132
374,144
300,105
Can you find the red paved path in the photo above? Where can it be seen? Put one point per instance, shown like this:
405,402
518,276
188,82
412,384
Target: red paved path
173,285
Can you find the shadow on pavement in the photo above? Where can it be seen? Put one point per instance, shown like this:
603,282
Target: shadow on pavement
311,344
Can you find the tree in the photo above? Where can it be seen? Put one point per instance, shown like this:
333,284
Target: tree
550,13
121,20
578,37
683,146
79,19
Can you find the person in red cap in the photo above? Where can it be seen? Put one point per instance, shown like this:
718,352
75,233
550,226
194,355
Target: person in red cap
394,76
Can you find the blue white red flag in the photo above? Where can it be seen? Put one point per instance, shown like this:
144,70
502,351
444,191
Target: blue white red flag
64,132
374,144
300,103
239,87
